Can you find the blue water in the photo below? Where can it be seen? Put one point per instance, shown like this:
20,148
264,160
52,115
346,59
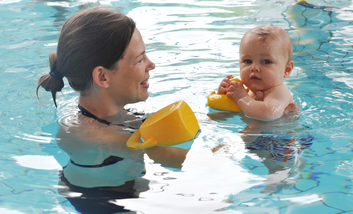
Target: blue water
194,45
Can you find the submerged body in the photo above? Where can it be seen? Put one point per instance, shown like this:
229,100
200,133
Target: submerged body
93,155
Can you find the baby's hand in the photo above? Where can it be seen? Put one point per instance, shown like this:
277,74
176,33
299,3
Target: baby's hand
236,91
259,96
223,87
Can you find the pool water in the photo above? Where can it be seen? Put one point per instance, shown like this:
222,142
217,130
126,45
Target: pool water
194,45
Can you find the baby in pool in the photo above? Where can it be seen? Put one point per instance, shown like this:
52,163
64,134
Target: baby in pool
265,55
265,61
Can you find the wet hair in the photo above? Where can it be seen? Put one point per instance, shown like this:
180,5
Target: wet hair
276,33
90,38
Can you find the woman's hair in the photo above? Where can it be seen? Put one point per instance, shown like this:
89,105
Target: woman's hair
90,38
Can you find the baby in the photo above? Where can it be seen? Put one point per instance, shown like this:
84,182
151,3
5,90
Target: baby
265,61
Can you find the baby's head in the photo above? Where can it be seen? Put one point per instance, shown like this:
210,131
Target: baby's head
265,57
271,34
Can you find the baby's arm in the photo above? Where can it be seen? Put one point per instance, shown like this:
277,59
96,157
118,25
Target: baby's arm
272,107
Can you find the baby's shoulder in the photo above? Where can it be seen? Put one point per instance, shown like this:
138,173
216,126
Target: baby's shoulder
280,91
282,88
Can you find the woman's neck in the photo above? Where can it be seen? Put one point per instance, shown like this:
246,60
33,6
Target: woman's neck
99,106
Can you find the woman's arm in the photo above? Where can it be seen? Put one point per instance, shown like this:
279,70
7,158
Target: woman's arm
167,156
91,144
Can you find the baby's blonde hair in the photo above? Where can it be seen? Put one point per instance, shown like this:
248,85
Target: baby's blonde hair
275,33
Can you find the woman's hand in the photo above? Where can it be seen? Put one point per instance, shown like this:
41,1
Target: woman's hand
167,156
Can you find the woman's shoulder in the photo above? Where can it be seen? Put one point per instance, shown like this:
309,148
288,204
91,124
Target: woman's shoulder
81,136
79,127
90,132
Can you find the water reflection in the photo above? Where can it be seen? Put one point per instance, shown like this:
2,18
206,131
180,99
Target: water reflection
229,179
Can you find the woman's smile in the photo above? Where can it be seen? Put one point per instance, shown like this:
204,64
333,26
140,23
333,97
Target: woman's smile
145,83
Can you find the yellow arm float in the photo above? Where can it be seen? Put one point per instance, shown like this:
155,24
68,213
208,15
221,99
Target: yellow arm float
173,124
222,102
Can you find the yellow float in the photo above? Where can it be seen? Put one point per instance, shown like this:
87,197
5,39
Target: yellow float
173,124
222,102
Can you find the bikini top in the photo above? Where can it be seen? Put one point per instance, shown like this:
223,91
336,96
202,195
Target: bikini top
111,159
89,114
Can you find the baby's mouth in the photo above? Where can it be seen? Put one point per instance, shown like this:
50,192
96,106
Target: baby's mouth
254,77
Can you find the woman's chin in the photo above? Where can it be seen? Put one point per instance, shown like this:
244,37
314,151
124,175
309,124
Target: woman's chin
144,96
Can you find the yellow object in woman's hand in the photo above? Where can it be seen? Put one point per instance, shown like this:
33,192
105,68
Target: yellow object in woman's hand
173,124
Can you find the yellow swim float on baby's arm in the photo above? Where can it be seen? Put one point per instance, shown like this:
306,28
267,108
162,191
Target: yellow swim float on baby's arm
222,102
173,124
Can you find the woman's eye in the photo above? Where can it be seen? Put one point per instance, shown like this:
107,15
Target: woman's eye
266,61
248,61
140,60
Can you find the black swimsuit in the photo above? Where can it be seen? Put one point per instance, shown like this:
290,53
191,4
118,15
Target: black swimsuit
111,159
108,161
97,199
89,114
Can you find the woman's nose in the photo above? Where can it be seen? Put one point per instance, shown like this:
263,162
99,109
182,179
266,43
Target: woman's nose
150,65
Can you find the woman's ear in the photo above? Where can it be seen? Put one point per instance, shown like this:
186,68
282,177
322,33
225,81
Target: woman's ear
289,68
100,76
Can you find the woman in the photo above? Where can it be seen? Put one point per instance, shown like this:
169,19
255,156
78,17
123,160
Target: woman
103,57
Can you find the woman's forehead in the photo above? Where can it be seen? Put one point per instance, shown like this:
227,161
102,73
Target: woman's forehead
136,46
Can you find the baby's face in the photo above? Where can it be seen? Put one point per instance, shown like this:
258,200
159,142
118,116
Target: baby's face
262,62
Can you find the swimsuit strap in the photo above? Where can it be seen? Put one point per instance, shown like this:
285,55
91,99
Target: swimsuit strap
109,161
89,114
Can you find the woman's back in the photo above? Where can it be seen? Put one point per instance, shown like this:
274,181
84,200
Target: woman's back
97,150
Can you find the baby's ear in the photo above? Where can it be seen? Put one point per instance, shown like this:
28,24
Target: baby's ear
289,68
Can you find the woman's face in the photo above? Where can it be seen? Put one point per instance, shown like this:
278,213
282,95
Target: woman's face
132,73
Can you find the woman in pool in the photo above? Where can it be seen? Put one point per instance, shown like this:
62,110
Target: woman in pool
103,57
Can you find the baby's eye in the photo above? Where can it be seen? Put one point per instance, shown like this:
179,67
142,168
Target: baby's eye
247,61
266,61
